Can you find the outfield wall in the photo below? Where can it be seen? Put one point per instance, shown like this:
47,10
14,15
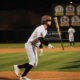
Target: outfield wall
19,36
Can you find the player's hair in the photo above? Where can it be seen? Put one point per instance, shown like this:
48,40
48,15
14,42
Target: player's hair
45,19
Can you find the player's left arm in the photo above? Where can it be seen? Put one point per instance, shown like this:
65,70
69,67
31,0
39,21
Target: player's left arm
43,41
46,43
41,46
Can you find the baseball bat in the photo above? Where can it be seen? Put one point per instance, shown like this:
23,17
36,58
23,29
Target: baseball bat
58,30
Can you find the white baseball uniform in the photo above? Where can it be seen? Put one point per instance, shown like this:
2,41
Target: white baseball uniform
71,32
40,31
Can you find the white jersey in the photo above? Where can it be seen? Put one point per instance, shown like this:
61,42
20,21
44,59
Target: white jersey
40,31
71,31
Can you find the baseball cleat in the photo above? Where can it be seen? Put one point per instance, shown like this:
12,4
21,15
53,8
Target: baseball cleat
16,70
24,78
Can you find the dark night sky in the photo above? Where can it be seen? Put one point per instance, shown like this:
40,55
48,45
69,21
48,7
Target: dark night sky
40,6
31,4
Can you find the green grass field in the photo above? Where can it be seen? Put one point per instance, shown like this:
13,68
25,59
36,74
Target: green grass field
21,45
52,61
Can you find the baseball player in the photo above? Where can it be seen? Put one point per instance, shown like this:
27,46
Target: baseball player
71,32
36,38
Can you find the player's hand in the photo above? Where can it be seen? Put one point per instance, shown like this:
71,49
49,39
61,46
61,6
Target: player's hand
50,46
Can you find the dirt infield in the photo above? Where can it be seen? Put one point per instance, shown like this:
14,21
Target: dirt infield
12,50
46,75
41,75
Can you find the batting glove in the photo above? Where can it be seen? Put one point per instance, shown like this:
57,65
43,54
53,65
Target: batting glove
50,46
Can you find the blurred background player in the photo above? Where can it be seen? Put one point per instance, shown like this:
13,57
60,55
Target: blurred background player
71,32
36,38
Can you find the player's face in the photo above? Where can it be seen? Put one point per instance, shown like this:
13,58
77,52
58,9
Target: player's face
49,22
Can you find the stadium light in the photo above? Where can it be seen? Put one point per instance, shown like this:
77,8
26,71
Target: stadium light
71,2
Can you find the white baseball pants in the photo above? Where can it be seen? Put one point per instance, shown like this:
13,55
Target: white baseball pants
32,54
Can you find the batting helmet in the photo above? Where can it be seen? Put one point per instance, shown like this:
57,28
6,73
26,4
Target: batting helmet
45,18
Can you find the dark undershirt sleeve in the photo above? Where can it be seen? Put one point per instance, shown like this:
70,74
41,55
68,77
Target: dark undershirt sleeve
40,46
43,41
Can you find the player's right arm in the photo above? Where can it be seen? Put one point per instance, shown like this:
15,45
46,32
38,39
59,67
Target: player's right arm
40,37
43,41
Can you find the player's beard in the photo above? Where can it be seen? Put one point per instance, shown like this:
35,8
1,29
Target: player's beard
48,25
